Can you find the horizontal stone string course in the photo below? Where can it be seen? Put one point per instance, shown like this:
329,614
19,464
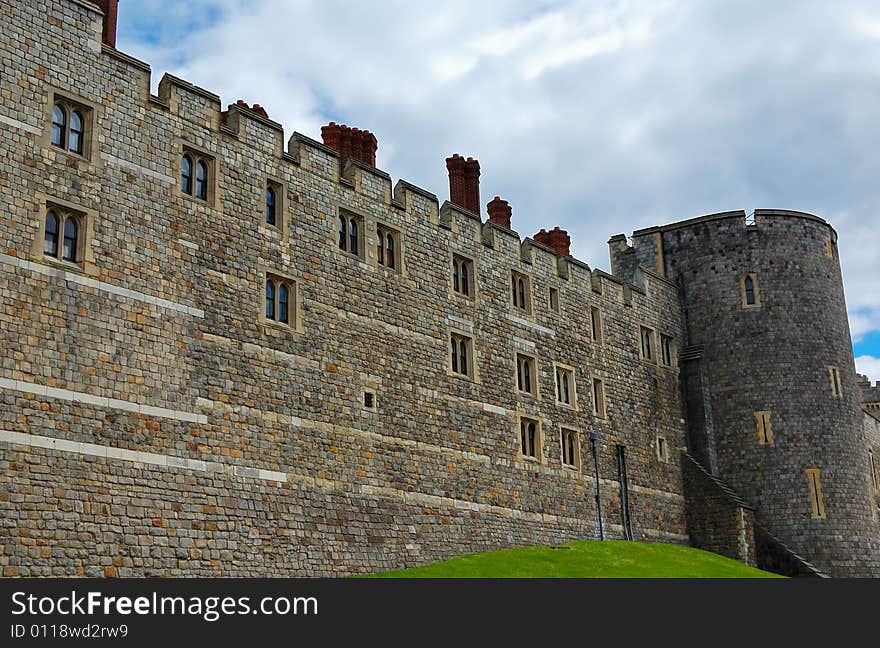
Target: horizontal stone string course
73,278
14,123
161,177
100,401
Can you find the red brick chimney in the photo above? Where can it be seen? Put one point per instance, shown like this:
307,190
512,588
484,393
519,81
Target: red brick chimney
499,212
464,182
110,8
350,142
558,239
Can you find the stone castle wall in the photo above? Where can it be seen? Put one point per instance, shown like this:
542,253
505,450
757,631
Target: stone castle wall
153,423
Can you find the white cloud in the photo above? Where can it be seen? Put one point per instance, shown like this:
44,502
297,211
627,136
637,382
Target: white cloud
600,117
868,366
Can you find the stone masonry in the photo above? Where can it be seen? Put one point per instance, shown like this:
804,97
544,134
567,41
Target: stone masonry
154,421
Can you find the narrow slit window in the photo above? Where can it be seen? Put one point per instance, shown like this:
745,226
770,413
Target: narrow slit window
667,355
765,428
596,324
598,397
647,336
283,304
836,385
817,504
554,300
270,299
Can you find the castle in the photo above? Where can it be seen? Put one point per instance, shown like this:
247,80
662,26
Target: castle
224,354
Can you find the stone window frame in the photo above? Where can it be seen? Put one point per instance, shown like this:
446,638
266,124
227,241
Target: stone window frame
599,397
553,302
834,379
596,325
350,215
90,112
384,230
817,502
294,325
576,434
558,368
668,355
85,219
755,289
764,427
532,360
279,186
538,445
526,308
473,374
648,353
211,160
661,448
463,260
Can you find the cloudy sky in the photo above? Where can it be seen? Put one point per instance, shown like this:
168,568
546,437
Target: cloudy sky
600,117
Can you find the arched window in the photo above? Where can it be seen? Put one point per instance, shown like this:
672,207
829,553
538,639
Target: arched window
521,287
527,377
455,283
270,299
565,397
70,239
461,350
463,356
283,311
342,227
186,178
59,125
389,251
750,290
270,205
201,180
50,240
529,437
353,236
77,130
513,282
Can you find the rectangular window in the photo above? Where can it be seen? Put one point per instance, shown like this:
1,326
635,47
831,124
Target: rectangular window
526,374
70,128
197,174
388,251
565,385
369,400
647,342
836,386
554,300
599,397
765,428
350,232
596,324
530,438
662,449
570,448
462,276
817,506
520,292
280,300
667,351
461,354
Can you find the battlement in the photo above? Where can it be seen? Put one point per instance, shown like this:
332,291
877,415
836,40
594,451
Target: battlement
870,393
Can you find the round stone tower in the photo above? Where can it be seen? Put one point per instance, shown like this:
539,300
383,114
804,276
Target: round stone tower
772,391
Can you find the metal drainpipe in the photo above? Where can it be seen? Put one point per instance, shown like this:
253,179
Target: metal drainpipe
593,438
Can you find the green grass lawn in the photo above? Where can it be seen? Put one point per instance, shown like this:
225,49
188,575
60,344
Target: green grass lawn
587,559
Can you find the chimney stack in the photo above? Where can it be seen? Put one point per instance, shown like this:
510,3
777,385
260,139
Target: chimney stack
350,142
110,9
464,182
499,212
558,239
